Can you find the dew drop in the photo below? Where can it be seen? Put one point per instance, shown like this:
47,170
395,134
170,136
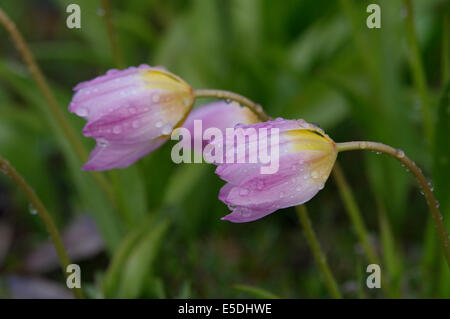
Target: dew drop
31,209
82,112
314,174
362,145
186,101
135,124
246,213
159,124
156,98
400,153
102,142
243,192
167,129
117,129
132,110
260,185
281,194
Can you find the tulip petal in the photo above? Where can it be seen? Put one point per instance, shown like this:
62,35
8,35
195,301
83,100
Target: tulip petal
116,155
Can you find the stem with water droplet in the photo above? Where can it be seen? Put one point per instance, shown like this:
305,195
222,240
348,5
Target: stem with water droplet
42,212
221,94
398,154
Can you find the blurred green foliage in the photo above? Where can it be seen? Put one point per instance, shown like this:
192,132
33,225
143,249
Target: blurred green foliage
315,60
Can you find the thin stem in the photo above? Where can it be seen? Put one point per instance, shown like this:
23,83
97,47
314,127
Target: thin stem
42,212
112,34
319,256
42,84
354,214
433,205
445,48
418,71
221,94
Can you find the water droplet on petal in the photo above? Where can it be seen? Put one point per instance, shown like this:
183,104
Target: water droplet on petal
243,192
102,142
135,124
186,101
246,213
166,129
82,112
117,129
314,174
155,98
260,184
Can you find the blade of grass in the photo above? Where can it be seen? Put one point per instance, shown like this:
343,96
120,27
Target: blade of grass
42,84
117,54
42,212
418,72
354,213
255,291
317,252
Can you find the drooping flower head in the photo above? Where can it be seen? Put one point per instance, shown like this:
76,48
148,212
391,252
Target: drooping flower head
130,113
306,157
220,115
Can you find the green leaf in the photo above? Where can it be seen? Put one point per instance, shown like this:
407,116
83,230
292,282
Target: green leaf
441,173
256,292
139,263
112,276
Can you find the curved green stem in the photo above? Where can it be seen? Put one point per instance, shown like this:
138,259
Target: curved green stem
112,34
42,212
318,254
433,205
221,94
43,86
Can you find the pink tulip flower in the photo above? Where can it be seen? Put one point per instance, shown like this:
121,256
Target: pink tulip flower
306,157
130,113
